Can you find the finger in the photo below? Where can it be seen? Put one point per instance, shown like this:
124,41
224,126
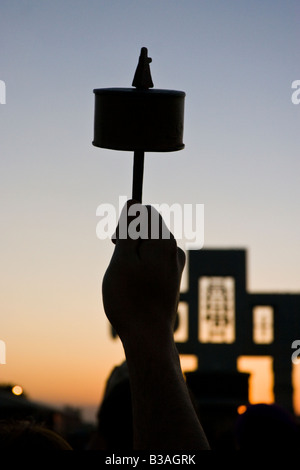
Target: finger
140,225
155,237
141,222
157,228
121,232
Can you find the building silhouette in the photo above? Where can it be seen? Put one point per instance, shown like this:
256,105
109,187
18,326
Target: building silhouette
225,321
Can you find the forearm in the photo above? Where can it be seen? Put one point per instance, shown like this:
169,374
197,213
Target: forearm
163,415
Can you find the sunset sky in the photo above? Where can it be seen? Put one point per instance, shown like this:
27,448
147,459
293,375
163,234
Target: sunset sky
236,61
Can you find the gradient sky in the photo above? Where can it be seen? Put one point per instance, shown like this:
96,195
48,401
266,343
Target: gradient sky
236,61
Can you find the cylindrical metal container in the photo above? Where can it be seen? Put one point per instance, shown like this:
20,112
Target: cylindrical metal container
134,119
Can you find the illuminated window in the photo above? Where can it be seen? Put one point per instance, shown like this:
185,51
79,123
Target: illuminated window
216,310
261,380
263,331
296,387
181,333
188,362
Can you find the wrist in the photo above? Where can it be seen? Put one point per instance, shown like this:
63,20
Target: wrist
153,342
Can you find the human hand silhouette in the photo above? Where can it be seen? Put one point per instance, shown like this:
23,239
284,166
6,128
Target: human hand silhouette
141,285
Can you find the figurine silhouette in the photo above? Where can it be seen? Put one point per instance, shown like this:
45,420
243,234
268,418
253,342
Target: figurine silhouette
142,77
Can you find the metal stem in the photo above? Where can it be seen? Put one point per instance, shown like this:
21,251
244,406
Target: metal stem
138,171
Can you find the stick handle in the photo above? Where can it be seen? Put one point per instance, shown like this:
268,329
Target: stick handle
138,172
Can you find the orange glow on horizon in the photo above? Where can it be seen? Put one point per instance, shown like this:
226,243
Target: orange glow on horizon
81,381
